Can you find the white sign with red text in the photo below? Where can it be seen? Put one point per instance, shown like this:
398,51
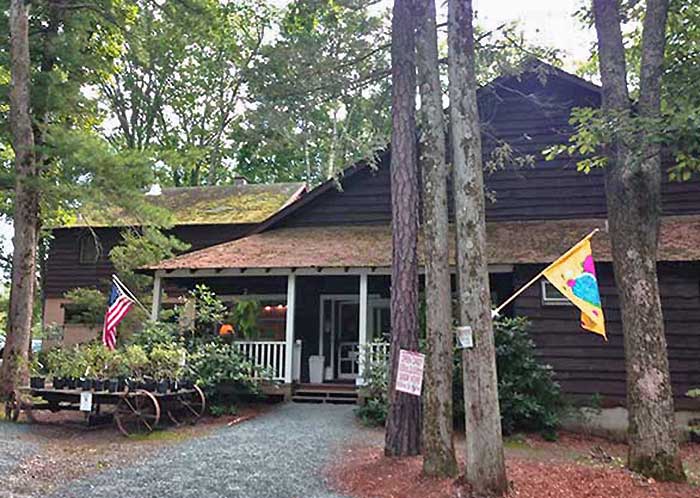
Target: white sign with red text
409,377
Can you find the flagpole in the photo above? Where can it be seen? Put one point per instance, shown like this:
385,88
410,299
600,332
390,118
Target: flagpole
539,275
126,290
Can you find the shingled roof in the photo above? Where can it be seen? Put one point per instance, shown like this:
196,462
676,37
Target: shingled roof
370,246
225,204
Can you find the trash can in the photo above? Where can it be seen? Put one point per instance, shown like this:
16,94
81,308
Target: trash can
316,369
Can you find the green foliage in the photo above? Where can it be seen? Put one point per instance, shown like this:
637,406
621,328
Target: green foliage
154,334
216,363
167,361
136,360
529,398
321,90
375,392
142,247
178,90
209,312
678,128
89,304
219,410
244,316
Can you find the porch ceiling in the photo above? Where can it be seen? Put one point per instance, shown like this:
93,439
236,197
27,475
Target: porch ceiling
370,246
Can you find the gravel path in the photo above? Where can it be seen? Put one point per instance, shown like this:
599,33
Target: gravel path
277,455
13,446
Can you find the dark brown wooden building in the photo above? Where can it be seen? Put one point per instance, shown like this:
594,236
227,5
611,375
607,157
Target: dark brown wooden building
321,265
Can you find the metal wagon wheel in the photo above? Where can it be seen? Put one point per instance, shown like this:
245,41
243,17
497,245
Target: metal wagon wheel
12,408
187,407
137,413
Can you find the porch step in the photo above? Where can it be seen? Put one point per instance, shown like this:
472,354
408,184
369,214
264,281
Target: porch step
336,395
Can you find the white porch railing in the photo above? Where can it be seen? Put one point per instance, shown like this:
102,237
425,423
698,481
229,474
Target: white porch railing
377,352
267,355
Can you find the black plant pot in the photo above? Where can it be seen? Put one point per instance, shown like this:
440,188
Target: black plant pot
163,386
100,385
149,385
59,383
71,383
37,382
186,384
87,384
113,385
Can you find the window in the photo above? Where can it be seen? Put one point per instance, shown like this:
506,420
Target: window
551,295
88,250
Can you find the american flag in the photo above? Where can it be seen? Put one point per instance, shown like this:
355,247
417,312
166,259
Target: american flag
118,306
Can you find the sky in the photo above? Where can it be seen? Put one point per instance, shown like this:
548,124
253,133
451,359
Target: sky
546,22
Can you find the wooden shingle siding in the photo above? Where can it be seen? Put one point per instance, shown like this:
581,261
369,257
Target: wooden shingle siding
585,365
65,272
530,117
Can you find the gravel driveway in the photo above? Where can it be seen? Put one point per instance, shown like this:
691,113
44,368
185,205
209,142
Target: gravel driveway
278,454
13,446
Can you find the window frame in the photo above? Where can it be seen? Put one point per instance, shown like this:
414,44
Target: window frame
546,300
82,241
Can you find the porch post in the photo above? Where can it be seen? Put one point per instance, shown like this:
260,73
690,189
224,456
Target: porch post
157,296
289,329
362,339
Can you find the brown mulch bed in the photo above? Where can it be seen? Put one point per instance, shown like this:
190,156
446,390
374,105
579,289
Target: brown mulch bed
576,467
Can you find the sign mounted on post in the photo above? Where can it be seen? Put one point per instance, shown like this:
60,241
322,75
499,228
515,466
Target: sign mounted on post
465,337
86,401
409,376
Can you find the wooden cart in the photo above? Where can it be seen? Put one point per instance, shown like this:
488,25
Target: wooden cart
135,411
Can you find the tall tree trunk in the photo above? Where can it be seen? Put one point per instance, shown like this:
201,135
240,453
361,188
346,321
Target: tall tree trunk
404,417
633,189
438,447
26,206
485,465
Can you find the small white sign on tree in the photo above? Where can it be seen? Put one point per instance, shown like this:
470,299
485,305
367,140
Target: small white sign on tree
409,377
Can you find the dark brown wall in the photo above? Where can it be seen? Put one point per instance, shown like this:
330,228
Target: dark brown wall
530,118
64,270
585,364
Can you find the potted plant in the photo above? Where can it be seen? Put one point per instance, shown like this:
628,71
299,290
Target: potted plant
166,365
37,378
136,363
60,365
116,371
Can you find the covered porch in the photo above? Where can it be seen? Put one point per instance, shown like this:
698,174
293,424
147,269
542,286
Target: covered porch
314,323
325,291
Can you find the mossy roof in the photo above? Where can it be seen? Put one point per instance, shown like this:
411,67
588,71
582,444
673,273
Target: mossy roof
513,242
216,205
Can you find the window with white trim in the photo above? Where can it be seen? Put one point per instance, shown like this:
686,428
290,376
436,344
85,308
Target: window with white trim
551,295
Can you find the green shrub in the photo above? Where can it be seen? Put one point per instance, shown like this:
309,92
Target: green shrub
167,361
374,410
217,363
155,334
530,399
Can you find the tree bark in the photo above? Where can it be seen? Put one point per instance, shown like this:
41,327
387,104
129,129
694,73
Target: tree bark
438,447
404,417
633,190
485,466
26,206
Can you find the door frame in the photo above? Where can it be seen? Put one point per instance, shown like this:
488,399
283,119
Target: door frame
333,298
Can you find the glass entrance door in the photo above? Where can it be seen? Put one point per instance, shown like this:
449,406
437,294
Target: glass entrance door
347,333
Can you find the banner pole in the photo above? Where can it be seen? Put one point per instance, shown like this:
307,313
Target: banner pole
127,291
495,312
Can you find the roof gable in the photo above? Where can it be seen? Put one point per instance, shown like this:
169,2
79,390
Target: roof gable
529,112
